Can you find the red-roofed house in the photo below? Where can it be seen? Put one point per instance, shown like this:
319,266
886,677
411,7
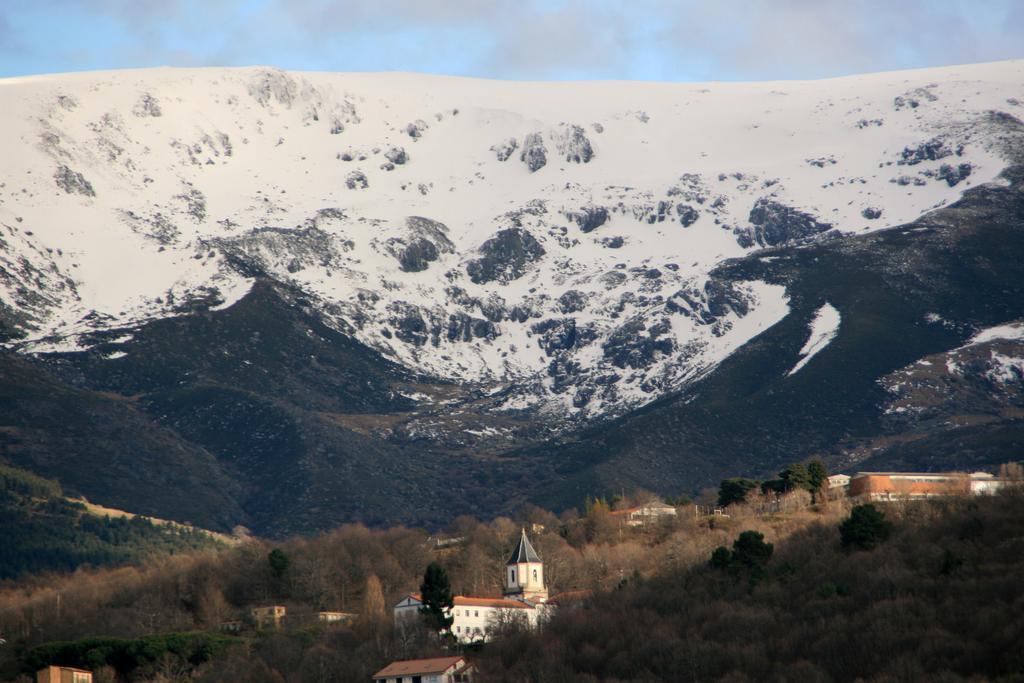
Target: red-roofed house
435,670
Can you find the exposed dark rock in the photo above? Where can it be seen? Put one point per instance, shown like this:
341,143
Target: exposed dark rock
273,84
556,334
931,150
396,155
417,255
505,256
687,214
776,223
427,242
952,175
147,106
716,299
905,180
574,145
409,325
416,128
195,203
356,180
636,346
534,154
562,334
612,279
612,242
914,98
73,182
589,218
462,327
505,149
871,213
572,301
866,123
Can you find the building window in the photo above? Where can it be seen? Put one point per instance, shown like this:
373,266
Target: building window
513,576
456,612
534,574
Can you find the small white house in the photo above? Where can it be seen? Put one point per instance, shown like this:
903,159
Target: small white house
838,481
641,515
436,670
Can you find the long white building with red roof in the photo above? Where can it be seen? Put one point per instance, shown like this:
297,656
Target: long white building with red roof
475,618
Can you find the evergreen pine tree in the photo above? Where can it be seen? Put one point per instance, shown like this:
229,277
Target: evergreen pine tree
436,593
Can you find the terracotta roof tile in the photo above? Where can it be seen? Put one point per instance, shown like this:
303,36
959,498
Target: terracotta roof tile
413,667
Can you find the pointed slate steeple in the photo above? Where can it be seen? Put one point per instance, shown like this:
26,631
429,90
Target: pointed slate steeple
524,573
523,552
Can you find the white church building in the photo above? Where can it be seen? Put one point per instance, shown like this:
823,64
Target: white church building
525,598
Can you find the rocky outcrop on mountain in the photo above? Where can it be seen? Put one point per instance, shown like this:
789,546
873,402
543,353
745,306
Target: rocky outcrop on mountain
558,334
572,301
687,215
710,303
775,223
147,106
505,149
356,180
589,218
396,155
912,99
572,143
426,242
637,345
946,389
871,213
416,128
268,250
73,182
931,150
953,175
273,85
505,256
462,327
534,153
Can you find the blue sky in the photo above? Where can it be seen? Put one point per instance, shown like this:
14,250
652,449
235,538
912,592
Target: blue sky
685,40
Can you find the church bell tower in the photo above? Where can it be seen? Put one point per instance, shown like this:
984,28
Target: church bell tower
524,573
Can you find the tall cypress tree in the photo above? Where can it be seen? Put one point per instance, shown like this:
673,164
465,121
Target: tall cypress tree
436,593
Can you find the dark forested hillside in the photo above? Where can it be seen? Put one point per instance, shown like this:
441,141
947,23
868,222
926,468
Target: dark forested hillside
42,531
938,601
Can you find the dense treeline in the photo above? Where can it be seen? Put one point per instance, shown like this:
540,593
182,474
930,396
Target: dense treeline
937,596
352,569
916,591
41,531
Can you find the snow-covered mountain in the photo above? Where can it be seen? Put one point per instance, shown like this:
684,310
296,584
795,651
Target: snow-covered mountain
551,243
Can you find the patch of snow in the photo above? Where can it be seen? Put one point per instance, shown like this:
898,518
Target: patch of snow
1010,332
1006,369
824,328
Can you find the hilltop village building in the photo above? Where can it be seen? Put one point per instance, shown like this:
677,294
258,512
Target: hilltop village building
878,486
436,670
63,674
642,515
525,598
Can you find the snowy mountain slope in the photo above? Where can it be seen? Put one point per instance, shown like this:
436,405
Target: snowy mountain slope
550,241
